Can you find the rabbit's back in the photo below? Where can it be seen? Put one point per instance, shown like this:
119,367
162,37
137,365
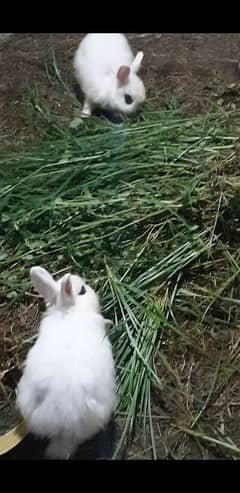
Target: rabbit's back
102,54
68,382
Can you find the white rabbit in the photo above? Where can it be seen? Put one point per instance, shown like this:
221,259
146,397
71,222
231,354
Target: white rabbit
67,390
106,71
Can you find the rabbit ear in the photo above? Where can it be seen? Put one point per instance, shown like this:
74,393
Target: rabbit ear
43,282
123,74
67,292
137,62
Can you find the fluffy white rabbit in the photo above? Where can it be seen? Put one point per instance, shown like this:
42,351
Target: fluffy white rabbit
106,71
67,390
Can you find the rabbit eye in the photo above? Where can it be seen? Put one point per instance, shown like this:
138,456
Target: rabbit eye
128,99
82,290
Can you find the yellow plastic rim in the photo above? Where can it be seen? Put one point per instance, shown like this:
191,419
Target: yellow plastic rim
12,438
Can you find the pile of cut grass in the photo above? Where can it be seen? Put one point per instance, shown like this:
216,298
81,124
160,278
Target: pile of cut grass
122,206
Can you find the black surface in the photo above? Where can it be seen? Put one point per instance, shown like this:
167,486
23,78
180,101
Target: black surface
112,116
100,447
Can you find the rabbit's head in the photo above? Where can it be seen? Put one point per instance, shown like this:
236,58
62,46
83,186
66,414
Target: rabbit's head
68,291
129,91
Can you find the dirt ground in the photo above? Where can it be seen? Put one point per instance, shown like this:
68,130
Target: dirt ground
189,69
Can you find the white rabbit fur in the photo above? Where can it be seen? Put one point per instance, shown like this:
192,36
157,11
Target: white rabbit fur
67,390
106,71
